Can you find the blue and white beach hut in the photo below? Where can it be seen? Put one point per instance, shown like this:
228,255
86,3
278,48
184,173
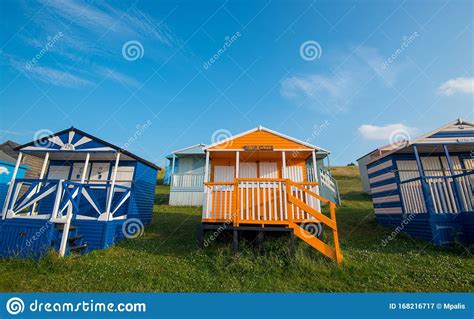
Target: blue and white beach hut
89,195
425,187
185,175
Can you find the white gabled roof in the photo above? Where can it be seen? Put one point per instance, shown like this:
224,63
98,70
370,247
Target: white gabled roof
459,121
201,146
261,128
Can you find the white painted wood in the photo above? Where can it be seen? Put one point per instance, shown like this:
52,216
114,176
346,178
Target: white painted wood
59,172
283,163
224,174
41,176
99,172
237,164
268,170
112,184
248,170
315,169
10,186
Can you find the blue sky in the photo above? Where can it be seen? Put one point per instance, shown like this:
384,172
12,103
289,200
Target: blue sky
156,76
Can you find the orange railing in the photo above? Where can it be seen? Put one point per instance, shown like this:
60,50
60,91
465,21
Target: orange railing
272,202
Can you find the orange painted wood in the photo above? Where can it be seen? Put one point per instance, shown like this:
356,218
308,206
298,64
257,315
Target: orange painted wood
259,138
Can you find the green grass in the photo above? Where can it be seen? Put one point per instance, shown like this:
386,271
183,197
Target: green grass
166,259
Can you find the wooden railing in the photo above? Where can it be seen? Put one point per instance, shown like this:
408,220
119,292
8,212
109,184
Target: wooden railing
272,202
448,194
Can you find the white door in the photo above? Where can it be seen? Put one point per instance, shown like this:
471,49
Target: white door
295,173
224,174
124,175
77,170
99,172
59,172
248,170
268,170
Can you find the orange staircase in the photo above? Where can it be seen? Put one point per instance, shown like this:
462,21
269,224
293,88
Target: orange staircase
313,241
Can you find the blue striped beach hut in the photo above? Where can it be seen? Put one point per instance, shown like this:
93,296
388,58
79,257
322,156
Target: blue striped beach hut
425,187
89,195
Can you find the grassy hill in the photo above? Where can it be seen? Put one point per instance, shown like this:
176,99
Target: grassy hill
166,259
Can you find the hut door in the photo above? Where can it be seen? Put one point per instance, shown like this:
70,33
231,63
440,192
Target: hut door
77,170
295,173
224,174
248,170
124,176
58,172
100,172
268,170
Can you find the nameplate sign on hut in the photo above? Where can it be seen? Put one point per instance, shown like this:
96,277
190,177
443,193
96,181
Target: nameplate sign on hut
254,148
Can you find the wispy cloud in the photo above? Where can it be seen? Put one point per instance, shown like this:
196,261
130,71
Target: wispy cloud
49,75
93,34
391,132
117,76
458,85
336,90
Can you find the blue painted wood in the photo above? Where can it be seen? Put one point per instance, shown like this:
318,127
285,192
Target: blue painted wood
143,193
21,237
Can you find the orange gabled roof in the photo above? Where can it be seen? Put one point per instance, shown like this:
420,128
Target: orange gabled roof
261,136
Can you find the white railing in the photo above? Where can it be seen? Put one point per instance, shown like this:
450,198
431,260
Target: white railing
187,180
218,201
412,195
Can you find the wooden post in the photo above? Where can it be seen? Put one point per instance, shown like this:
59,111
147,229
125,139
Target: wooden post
315,172
205,209
172,169
424,186
41,176
112,185
237,164
337,249
10,187
283,164
458,196
84,172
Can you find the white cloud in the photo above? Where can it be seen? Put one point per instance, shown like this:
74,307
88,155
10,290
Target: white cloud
458,85
391,132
